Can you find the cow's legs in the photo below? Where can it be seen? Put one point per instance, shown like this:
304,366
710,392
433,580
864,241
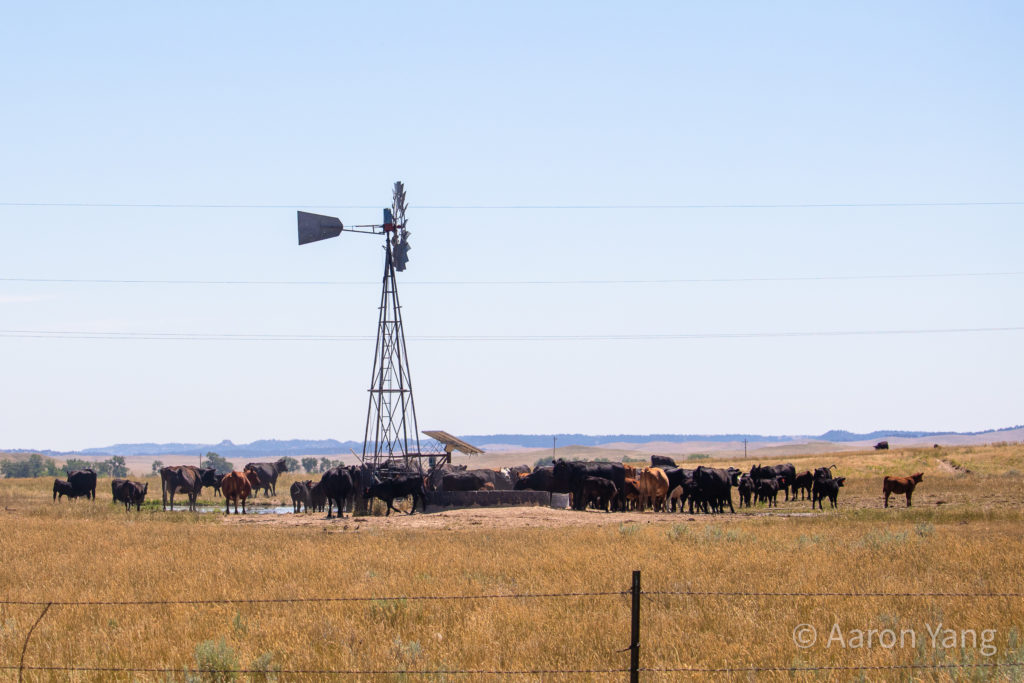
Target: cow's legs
908,498
886,499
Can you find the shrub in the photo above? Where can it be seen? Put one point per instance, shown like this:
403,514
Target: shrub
216,662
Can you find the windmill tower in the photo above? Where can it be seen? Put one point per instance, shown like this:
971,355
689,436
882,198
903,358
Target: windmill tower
391,438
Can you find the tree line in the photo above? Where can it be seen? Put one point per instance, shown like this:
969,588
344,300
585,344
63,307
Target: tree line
36,465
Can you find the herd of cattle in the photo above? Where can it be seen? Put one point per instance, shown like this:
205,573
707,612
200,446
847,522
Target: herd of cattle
602,485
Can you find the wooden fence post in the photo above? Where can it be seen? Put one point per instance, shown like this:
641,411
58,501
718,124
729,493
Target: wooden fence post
634,636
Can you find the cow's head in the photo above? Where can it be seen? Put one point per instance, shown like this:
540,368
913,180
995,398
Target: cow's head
734,476
917,477
252,478
839,480
145,488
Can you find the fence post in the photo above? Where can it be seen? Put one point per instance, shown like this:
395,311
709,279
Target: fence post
634,636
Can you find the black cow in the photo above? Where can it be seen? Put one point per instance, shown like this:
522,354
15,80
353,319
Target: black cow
679,477
437,474
786,474
541,479
301,496
399,487
570,475
803,483
746,488
767,490
599,491
187,479
267,473
129,492
662,461
823,472
211,478
115,486
336,486
715,486
317,497
498,479
82,482
63,488
826,487
463,481
882,446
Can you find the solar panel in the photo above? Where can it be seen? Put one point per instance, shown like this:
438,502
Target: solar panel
453,443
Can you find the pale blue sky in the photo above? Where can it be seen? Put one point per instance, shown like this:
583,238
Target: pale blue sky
538,104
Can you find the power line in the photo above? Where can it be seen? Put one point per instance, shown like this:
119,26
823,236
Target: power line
530,207
476,283
190,336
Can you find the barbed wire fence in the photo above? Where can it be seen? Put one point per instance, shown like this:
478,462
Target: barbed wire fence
632,668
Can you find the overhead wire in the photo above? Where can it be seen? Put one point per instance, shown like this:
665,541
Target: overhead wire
190,336
475,283
532,207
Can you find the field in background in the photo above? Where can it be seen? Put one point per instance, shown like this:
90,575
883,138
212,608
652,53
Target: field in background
964,535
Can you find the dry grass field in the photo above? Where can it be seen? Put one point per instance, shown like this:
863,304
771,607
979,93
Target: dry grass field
963,535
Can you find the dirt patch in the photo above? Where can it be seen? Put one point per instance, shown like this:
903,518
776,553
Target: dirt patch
951,467
464,518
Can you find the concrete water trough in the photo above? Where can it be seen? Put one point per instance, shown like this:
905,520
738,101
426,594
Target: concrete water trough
464,499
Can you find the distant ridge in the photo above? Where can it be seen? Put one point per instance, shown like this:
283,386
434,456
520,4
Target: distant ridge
273,448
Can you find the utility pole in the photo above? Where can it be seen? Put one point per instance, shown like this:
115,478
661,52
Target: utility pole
744,449
554,441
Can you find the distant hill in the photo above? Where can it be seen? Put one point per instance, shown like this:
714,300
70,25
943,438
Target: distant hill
273,448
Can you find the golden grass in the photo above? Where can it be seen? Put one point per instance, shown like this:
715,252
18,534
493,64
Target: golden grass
972,543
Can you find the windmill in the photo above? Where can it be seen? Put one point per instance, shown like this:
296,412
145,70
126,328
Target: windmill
391,439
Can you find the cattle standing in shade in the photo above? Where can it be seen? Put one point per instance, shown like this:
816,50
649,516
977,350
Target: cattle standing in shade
237,486
300,491
187,479
897,485
267,474
399,487
826,488
129,492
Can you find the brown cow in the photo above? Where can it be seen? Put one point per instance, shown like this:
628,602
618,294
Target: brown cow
905,485
653,488
237,486
631,493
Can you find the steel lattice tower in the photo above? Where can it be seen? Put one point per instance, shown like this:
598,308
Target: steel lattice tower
392,433
391,440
